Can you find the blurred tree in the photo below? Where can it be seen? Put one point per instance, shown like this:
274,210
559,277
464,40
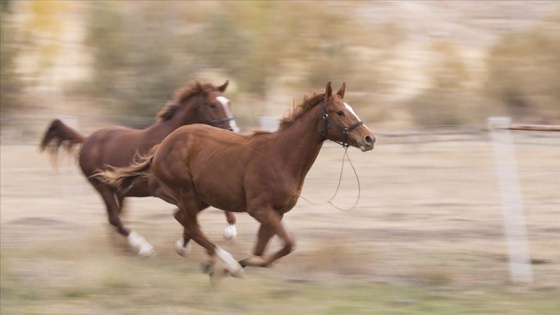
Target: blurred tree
11,85
524,72
239,38
42,31
5,5
106,40
447,100
261,41
447,71
140,49
137,64
222,44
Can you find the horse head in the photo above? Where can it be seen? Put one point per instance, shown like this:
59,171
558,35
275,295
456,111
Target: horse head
215,110
341,123
201,103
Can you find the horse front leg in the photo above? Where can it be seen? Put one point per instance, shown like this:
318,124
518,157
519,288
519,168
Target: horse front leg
271,224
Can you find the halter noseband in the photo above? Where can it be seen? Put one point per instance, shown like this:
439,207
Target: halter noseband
204,114
345,130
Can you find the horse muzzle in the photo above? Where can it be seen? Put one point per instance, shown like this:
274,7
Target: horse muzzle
366,143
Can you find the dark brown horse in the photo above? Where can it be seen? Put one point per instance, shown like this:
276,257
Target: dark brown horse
197,166
116,147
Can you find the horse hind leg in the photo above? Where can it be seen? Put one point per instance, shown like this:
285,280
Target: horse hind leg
230,232
120,204
187,216
113,205
182,245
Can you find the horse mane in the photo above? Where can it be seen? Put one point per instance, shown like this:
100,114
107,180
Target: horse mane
300,109
182,94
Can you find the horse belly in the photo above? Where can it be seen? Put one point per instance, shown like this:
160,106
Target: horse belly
114,146
229,198
139,188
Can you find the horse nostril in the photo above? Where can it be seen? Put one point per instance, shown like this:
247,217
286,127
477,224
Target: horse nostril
230,129
369,140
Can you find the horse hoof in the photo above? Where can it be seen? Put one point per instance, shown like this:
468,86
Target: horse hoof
252,261
236,273
230,232
148,252
144,248
207,268
234,268
183,251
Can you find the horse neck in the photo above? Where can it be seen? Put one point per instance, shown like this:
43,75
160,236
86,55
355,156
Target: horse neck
186,115
301,142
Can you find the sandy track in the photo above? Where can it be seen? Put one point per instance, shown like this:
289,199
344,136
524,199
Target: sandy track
427,211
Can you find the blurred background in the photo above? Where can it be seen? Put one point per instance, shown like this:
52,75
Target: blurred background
427,236
406,63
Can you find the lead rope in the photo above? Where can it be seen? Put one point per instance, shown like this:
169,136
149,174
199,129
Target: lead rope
344,158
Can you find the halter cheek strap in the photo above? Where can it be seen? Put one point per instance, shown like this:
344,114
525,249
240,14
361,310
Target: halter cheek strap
345,130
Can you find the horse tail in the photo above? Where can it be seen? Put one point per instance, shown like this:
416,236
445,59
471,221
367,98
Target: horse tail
122,178
59,135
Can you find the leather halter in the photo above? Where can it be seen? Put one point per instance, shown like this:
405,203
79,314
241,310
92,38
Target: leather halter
345,130
204,114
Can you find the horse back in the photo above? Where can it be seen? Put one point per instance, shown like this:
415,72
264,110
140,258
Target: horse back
114,146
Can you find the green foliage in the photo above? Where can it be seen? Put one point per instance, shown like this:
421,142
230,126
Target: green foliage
524,72
253,43
136,66
221,44
5,5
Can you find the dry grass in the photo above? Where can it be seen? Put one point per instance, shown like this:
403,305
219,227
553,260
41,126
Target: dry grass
426,237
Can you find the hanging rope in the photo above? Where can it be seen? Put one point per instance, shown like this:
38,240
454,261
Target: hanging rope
330,201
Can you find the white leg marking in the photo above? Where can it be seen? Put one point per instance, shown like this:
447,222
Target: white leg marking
230,232
138,242
182,250
231,264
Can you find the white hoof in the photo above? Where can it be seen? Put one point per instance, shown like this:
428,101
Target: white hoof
144,248
230,232
234,268
147,251
183,251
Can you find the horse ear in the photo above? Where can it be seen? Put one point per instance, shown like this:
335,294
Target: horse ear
222,88
342,90
328,90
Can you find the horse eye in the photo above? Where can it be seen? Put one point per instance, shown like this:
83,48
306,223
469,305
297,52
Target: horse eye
212,105
340,113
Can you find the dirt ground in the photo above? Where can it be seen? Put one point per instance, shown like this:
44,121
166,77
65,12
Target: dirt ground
429,213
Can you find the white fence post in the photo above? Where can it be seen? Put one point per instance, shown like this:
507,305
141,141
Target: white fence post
512,205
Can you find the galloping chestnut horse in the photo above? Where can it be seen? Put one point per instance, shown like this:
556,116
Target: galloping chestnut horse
197,166
116,147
